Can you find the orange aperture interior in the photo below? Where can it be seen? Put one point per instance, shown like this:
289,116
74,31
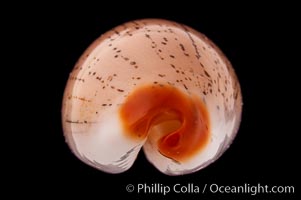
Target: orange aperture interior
179,121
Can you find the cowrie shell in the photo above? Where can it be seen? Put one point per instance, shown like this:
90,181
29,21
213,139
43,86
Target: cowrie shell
152,84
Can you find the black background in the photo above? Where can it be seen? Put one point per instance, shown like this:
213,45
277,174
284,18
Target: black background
257,39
